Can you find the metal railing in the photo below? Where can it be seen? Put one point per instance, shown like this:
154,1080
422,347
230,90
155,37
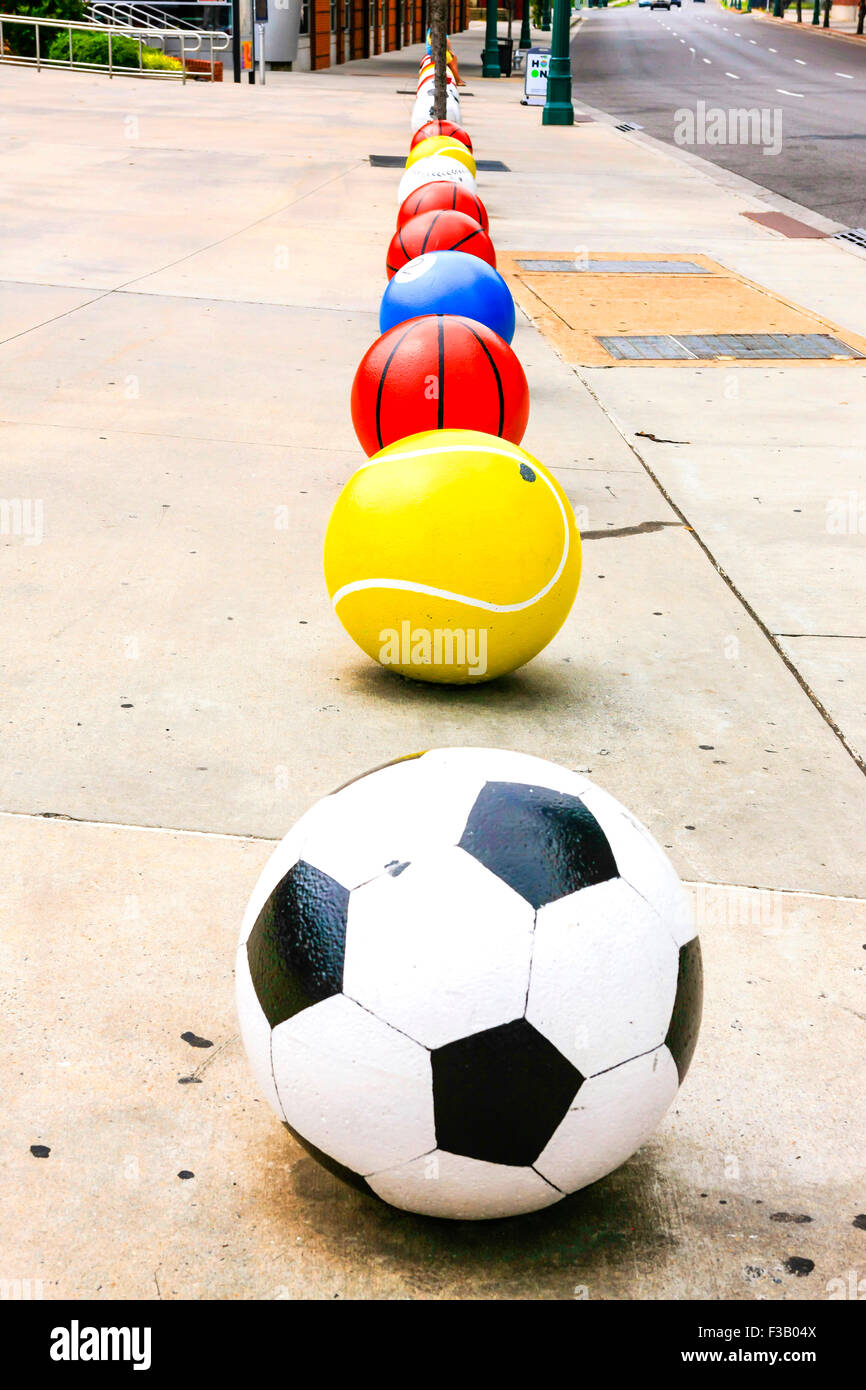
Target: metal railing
189,43
142,16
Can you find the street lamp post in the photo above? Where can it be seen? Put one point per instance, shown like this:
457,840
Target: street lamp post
525,36
816,12
545,14
490,56
558,109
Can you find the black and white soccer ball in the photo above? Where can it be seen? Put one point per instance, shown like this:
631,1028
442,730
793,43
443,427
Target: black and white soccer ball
469,982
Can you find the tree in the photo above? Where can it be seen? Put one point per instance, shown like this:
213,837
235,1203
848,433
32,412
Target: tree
438,40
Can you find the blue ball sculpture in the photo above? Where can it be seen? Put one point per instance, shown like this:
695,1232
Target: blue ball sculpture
448,282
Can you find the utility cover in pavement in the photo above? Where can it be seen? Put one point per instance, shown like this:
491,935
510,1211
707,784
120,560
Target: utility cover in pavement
739,345
615,267
397,161
605,309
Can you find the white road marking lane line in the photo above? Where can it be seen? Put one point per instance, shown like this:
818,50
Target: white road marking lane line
801,61
785,93
772,50
707,60
847,75
732,74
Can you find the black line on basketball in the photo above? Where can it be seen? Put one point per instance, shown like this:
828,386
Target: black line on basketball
464,239
427,233
495,370
401,339
402,245
454,195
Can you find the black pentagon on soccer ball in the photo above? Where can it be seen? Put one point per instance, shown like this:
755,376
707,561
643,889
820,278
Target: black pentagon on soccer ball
544,844
339,1170
500,1094
685,1021
298,943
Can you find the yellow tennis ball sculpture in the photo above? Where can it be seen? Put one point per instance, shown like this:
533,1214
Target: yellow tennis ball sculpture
452,556
444,145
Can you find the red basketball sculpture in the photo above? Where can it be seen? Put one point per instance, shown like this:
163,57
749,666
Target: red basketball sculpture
438,231
438,372
431,197
441,128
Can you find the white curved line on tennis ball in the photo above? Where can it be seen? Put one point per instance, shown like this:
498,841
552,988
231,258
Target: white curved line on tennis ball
456,449
407,585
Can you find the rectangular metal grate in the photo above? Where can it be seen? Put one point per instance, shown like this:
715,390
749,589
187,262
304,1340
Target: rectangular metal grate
857,235
629,125
653,347
397,161
740,346
615,267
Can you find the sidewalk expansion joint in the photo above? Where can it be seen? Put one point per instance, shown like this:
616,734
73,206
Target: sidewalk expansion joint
239,836
727,579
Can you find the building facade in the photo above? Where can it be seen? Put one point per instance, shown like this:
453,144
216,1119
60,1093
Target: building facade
334,31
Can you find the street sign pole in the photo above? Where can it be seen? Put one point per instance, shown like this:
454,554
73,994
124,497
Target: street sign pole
525,36
236,39
490,56
558,109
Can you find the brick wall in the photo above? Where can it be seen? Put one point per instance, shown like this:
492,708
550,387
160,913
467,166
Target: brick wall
383,21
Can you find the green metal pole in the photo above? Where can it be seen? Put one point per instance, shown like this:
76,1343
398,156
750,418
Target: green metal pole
777,10
545,15
816,12
558,109
525,36
490,56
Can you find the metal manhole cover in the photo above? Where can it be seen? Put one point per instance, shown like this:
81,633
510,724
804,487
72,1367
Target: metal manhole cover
397,161
615,267
857,235
740,346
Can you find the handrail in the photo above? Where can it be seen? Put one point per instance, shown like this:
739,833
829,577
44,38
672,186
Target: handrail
138,15
218,42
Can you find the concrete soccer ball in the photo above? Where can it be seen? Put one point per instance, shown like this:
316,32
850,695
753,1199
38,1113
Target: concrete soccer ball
469,982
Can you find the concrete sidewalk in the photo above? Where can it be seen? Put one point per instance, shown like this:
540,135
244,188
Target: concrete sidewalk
189,278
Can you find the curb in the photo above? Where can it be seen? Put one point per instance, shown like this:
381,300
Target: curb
813,28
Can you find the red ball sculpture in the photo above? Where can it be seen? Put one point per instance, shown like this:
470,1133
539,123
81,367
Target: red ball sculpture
441,128
438,231
433,197
438,372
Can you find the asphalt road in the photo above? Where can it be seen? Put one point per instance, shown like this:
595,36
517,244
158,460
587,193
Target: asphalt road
647,66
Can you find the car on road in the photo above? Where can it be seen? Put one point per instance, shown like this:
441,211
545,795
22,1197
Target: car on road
660,4
643,4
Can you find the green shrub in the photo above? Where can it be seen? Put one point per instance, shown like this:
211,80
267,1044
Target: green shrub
154,58
20,38
93,48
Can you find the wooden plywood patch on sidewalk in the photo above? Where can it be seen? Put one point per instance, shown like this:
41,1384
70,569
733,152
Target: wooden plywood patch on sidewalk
578,307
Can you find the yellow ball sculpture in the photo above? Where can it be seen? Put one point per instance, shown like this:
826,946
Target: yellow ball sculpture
442,145
452,556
